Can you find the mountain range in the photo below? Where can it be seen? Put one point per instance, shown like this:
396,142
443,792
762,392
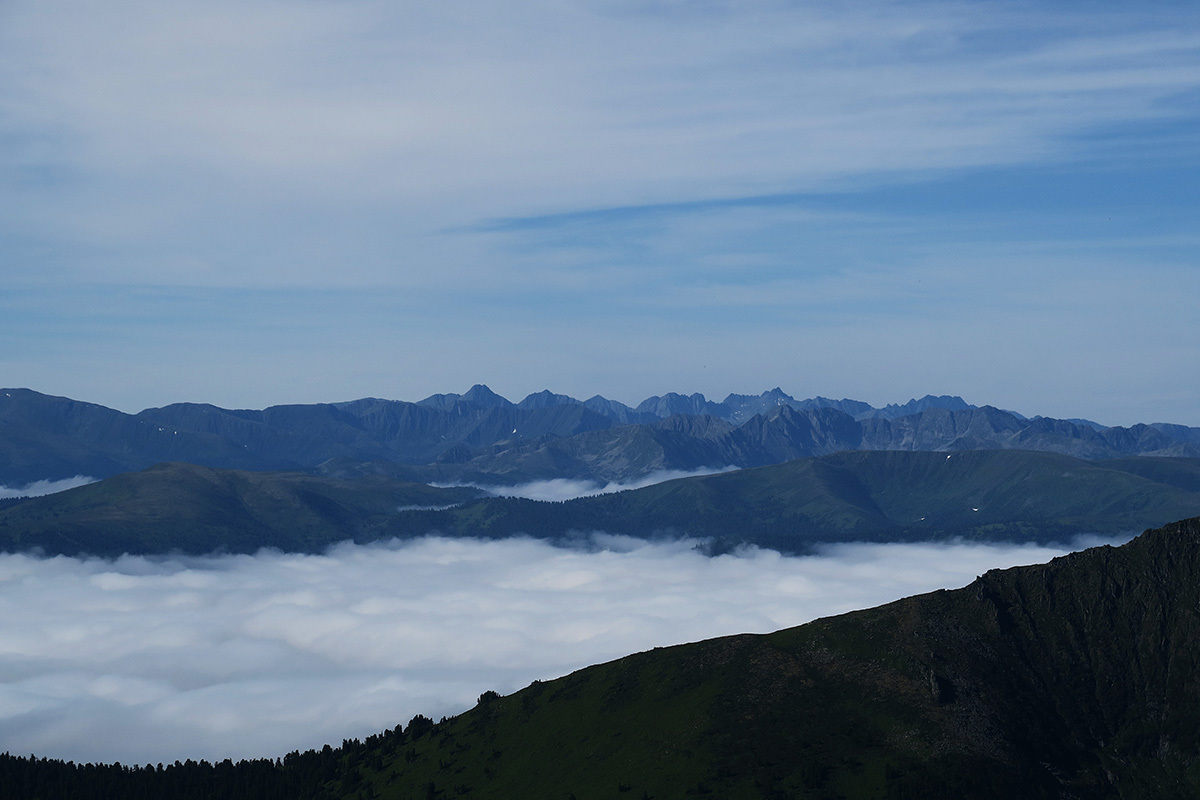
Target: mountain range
481,437
1073,679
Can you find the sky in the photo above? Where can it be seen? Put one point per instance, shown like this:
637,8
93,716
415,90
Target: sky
259,202
148,660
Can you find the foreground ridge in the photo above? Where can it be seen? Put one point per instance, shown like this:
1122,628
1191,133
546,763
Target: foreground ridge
1076,678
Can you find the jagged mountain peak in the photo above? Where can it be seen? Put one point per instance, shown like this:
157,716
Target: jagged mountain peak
547,399
481,395
915,406
672,403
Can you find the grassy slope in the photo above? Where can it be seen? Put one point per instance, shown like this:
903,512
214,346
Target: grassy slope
878,495
1078,678
1011,488
198,510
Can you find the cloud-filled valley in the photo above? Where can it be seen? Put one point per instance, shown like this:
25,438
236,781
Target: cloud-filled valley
165,658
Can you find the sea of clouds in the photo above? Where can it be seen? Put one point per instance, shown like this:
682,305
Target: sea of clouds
152,659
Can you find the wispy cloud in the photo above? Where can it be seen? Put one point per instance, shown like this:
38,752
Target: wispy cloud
39,488
556,489
159,114
154,659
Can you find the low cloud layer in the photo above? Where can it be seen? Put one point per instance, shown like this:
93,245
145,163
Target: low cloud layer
39,488
566,489
157,659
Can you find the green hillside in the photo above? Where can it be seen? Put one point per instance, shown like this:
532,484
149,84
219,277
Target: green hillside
864,495
199,510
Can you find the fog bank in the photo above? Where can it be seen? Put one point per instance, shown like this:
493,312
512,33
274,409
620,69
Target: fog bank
157,659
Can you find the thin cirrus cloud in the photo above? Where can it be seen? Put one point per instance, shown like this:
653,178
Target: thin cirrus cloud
450,115
148,660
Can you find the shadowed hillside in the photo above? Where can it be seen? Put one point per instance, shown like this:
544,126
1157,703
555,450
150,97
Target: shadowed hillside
1074,679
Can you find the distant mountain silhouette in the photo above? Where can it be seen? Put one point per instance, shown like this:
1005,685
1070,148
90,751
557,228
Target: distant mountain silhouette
482,436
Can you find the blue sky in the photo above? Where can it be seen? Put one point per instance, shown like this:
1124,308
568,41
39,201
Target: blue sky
263,202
